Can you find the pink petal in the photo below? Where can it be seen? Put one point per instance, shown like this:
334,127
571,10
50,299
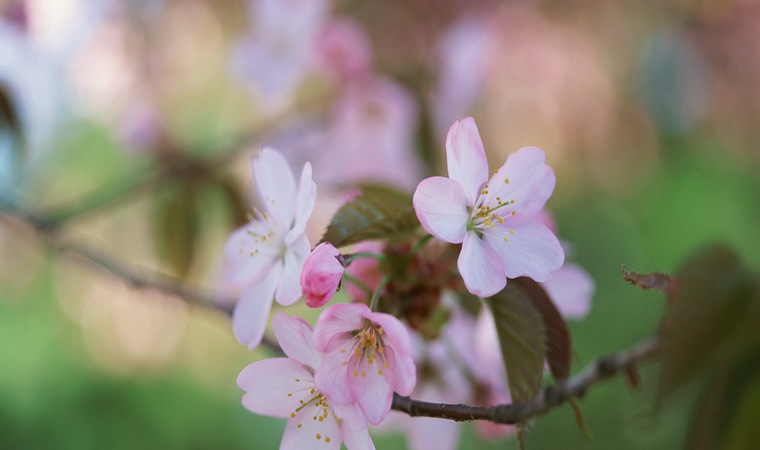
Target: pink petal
428,433
305,198
289,286
441,208
312,433
466,158
372,386
295,338
356,439
531,181
335,324
393,330
331,377
480,266
267,384
532,250
275,185
405,374
571,289
249,319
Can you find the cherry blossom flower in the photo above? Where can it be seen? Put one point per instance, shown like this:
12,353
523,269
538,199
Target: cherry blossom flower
284,387
367,358
321,274
495,220
265,257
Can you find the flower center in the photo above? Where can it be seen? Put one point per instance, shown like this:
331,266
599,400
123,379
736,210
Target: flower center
318,401
368,347
490,212
265,235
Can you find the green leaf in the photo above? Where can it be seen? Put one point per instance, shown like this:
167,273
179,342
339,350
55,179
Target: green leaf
522,338
709,304
379,212
176,226
558,342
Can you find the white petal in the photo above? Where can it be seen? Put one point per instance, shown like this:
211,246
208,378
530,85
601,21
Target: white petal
249,320
466,158
295,338
532,250
531,182
480,266
275,185
441,208
247,260
312,433
271,388
305,198
289,286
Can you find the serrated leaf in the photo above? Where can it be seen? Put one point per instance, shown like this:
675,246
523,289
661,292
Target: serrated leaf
710,302
653,280
379,212
522,338
558,342
176,226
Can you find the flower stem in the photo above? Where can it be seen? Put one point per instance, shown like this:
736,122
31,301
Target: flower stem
351,257
376,295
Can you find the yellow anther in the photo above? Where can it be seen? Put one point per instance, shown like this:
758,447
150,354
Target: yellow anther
506,239
292,415
319,436
327,439
506,180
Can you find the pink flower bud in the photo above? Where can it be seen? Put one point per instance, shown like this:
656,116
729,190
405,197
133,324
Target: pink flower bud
321,274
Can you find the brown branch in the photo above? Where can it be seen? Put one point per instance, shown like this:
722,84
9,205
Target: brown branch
551,396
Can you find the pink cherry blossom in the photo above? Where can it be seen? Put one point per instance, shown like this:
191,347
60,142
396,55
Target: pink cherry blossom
495,220
321,274
343,50
264,259
284,387
571,289
367,358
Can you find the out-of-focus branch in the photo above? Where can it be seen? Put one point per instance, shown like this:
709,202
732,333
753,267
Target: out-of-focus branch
549,398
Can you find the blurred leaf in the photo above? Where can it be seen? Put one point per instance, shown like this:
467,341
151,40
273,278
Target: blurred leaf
708,305
653,280
238,206
726,416
176,226
558,343
522,338
379,212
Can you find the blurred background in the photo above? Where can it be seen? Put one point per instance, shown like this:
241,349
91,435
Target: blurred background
125,132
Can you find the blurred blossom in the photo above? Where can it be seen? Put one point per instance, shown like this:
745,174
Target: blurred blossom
343,50
674,81
571,289
140,127
463,57
366,270
30,79
546,86
278,52
369,137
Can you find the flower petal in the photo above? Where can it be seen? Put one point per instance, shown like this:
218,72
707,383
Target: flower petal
441,208
524,178
275,185
426,433
305,199
480,266
267,384
531,250
306,430
246,260
393,330
466,158
335,324
289,285
354,436
571,289
331,377
249,319
295,338
372,386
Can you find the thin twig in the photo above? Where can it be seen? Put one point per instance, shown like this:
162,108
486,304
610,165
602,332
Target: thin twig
549,398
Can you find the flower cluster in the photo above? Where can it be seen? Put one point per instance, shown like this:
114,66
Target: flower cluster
339,378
